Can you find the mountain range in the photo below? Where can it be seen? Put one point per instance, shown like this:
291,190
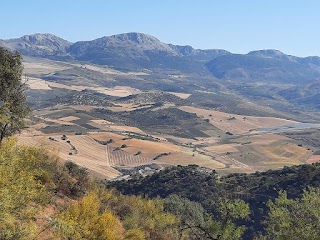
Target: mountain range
143,51
267,77
128,50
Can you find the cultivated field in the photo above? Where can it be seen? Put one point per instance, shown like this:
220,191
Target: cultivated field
104,145
81,150
237,124
187,157
147,149
147,126
41,66
314,159
118,91
37,84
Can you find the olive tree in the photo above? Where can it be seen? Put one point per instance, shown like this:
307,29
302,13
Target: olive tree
13,106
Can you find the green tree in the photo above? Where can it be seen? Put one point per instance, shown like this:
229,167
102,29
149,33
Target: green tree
13,107
196,223
294,218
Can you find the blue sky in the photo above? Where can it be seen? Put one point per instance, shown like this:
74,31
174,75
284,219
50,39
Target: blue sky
291,26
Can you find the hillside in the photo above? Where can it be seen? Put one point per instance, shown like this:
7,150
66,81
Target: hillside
267,81
128,50
265,66
41,45
88,134
42,198
141,51
208,189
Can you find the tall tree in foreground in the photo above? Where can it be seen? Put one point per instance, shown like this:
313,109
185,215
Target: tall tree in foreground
13,107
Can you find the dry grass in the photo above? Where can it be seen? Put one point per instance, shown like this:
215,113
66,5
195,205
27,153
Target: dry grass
237,124
35,66
101,122
118,91
90,154
148,149
224,148
174,138
205,141
62,122
110,71
186,158
63,86
80,107
126,107
262,139
181,95
271,155
283,152
105,136
313,159
68,119
37,84
112,127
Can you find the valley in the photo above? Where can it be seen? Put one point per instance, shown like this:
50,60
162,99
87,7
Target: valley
109,130
112,115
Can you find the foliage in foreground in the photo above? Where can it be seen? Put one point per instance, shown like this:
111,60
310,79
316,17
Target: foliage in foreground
294,218
32,182
210,191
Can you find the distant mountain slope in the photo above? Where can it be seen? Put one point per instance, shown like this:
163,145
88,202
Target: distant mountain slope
152,97
140,50
267,66
143,51
41,45
127,50
307,94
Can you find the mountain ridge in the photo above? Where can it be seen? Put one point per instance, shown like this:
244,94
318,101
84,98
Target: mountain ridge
140,37
38,44
142,51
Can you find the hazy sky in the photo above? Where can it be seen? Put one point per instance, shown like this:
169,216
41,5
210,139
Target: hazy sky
239,26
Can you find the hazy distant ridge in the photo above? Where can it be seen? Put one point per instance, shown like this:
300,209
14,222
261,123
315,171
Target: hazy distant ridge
139,51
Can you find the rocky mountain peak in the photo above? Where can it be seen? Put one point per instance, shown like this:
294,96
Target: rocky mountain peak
267,53
44,39
139,38
37,44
